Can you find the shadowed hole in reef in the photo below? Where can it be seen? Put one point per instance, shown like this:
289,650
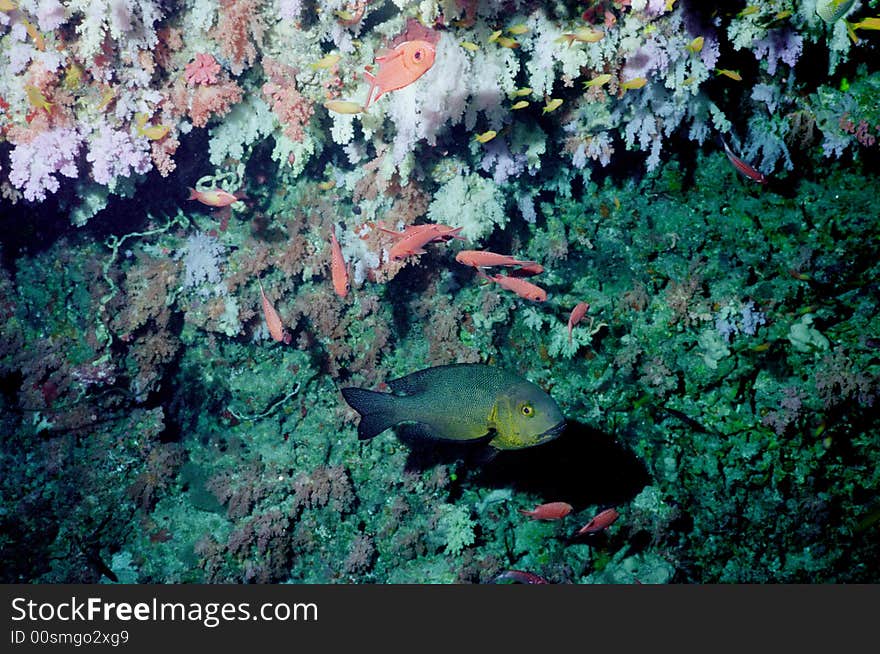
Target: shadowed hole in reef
582,466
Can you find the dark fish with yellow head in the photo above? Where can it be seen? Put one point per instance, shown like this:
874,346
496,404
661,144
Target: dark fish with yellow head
461,402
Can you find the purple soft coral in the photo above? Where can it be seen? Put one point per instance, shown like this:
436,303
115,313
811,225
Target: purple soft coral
35,165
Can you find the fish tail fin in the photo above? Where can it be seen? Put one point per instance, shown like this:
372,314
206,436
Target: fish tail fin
371,80
376,409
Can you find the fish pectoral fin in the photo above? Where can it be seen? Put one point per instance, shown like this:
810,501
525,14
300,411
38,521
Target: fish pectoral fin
420,430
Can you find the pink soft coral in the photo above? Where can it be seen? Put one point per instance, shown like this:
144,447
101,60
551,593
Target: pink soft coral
213,100
202,70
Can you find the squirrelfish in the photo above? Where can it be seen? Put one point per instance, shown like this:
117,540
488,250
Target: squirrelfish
601,521
484,259
399,68
577,314
521,287
273,320
338,269
412,243
549,511
461,402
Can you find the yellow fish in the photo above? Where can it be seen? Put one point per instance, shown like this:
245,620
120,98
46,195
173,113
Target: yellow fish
582,35
327,62
343,107
507,42
72,77
494,35
696,45
34,34
326,186
521,92
867,24
462,402
342,14
688,81
732,74
748,11
669,4
598,80
468,45
7,5
485,137
36,98
106,99
153,132
552,105
635,83
522,104
516,30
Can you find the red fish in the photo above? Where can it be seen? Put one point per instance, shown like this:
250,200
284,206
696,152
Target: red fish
521,287
273,320
549,511
338,270
576,316
528,269
401,67
215,197
743,167
411,243
484,259
441,232
601,521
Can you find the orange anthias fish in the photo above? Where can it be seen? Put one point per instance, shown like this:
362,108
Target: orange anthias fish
603,520
549,511
273,320
214,197
521,287
484,259
743,167
400,67
338,269
577,314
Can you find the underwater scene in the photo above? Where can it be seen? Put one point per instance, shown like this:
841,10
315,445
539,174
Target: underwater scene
439,291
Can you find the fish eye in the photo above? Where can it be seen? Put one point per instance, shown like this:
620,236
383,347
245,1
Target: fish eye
418,54
527,410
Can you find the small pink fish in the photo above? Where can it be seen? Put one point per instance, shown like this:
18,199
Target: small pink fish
521,287
338,269
215,197
576,316
549,511
602,520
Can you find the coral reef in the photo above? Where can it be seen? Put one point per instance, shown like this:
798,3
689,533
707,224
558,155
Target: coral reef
702,176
